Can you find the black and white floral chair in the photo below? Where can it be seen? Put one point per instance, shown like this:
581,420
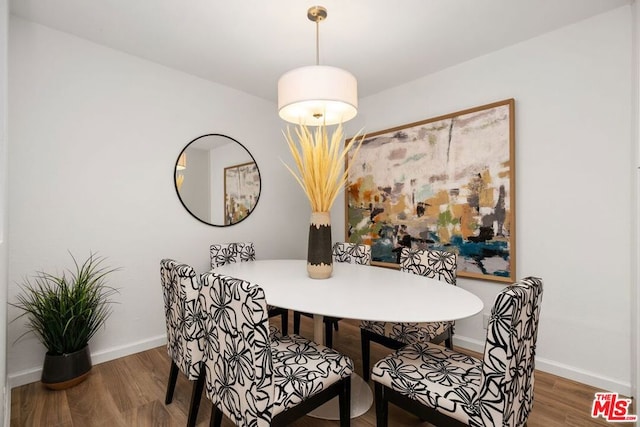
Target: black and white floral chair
183,315
445,387
430,263
258,381
354,253
225,253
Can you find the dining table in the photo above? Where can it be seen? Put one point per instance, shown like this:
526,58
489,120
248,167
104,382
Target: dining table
355,291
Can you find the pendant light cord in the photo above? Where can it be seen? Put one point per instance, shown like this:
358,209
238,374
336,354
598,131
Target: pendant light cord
318,42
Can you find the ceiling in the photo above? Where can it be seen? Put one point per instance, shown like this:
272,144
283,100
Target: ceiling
247,45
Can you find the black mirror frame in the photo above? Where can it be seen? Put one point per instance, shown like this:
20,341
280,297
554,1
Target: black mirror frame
175,184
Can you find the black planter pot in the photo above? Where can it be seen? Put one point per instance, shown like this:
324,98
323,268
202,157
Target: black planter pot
62,371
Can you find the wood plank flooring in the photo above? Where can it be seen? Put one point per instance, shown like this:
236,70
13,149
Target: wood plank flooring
130,392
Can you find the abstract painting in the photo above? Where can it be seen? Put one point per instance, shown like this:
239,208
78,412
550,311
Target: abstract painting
445,183
241,191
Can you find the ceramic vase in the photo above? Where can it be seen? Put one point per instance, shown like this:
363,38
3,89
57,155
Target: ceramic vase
319,258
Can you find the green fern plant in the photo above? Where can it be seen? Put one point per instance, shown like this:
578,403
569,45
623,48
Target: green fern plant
65,311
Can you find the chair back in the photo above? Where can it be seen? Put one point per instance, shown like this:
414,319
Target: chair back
439,265
506,393
354,253
239,376
183,316
225,253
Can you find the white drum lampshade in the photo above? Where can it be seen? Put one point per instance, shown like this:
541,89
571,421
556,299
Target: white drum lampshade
317,95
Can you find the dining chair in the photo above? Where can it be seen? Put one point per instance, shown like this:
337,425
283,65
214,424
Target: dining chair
226,253
445,387
439,265
258,381
181,290
354,253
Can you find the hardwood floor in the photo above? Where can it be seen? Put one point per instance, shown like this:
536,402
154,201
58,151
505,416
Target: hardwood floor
130,392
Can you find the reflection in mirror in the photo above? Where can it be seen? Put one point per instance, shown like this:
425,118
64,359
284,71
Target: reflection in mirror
217,180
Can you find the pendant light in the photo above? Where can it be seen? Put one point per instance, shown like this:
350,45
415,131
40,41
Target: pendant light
317,94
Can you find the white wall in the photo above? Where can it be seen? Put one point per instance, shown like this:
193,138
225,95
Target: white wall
94,138
4,218
85,118
635,271
572,90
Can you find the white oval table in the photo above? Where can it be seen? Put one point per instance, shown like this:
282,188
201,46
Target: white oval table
355,292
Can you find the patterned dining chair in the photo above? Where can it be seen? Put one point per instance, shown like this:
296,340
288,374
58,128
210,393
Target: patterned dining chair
354,253
445,387
183,316
439,265
257,381
225,253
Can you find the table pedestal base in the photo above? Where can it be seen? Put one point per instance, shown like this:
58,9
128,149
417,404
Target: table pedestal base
361,395
361,401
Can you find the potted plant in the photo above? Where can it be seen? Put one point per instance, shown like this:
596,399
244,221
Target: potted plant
64,312
320,159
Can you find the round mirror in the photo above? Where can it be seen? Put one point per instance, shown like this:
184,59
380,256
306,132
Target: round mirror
217,180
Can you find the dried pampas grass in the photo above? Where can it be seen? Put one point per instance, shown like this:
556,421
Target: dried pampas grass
319,158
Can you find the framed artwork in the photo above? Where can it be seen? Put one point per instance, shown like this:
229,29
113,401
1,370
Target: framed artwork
241,191
446,183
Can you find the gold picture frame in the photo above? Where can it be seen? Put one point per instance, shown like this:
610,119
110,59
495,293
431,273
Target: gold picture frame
241,191
445,183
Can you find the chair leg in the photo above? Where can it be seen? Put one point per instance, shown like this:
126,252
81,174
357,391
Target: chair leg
366,354
382,406
171,385
449,340
284,315
196,396
344,403
328,334
296,322
216,417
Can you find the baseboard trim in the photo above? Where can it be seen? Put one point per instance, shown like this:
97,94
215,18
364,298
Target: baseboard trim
559,369
125,350
32,375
